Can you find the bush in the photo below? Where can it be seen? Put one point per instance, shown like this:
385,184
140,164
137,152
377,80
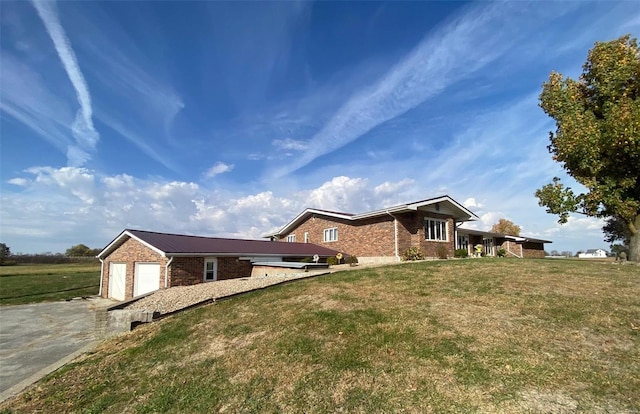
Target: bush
461,253
442,252
306,260
502,253
351,260
332,261
412,253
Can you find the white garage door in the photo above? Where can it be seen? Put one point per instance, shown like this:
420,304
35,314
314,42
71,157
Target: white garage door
117,278
147,278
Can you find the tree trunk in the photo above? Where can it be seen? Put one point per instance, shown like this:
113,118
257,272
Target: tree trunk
634,241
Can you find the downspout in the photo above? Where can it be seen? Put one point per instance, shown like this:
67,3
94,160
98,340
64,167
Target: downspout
166,272
101,275
395,236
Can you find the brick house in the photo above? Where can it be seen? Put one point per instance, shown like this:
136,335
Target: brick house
514,246
138,262
432,226
382,235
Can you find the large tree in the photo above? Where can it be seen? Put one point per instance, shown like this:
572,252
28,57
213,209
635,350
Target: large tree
597,137
506,226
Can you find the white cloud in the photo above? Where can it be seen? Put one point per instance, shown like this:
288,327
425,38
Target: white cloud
83,130
22,182
290,144
218,168
471,202
71,205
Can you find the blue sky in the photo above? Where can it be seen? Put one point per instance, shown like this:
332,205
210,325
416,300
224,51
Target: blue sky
228,119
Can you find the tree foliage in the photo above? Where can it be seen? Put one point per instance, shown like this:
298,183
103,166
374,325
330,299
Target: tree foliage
597,137
5,252
80,250
615,229
506,226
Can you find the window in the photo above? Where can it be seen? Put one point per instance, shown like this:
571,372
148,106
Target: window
463,242
331,234
210,269
291,238
306,237
435,230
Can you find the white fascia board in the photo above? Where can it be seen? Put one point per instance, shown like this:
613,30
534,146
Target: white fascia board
131,236
152,247
308,212
446,199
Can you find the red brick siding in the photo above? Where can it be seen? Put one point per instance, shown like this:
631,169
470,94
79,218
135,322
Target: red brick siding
233,268
185,271
533,250
366,238
527,249
411,234
190,270
131,252
375,237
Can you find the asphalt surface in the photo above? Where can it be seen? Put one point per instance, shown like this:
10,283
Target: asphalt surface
39,338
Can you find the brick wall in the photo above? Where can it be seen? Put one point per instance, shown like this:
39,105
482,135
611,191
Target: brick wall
533,250
233,268
185,271
190,270
131,252
375,237
366,238
411,234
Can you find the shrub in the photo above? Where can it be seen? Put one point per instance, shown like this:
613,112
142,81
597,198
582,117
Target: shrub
461,253
502,253
351,260
306,260
332,261
412,253
442,252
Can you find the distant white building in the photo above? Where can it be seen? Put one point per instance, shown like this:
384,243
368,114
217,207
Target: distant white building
593,253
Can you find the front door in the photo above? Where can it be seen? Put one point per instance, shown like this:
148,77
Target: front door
211,269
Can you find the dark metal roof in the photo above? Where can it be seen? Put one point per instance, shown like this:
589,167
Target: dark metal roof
179,244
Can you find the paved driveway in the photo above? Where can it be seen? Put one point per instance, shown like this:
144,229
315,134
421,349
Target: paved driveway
36,339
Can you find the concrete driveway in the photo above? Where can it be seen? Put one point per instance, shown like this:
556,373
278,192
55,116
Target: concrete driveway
39,338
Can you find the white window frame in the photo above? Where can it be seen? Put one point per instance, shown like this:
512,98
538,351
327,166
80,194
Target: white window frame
291,238
330,234
213,260
435,232
306,237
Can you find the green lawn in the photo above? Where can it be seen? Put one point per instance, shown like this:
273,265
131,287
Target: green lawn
476,336
41,283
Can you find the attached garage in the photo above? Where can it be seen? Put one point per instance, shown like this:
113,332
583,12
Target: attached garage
138,262
146,278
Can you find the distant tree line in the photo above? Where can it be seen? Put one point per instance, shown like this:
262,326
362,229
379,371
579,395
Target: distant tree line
79,253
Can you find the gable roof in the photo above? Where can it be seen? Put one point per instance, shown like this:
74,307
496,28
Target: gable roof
167,244
443,204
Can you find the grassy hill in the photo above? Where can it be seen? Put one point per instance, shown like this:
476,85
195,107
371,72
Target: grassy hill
481,335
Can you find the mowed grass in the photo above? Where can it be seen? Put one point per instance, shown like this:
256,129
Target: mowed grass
468,336
42,283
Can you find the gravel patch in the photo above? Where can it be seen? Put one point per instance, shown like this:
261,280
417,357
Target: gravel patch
179,297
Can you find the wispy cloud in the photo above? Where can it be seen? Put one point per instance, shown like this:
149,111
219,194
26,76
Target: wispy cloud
462,47
83,130
290,144
218,168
